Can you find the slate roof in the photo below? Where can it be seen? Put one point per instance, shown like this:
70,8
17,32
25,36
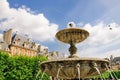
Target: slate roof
116,59
22,40
16,37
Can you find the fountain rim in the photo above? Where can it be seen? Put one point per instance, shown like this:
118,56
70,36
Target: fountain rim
75,59
72,28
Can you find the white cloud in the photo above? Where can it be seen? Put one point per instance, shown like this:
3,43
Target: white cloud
115,53
24,21
102,41
102,34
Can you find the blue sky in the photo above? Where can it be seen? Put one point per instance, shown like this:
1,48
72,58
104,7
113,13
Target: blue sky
41,19
63,11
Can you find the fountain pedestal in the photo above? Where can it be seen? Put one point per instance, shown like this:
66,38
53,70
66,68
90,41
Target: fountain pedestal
72,36
73,50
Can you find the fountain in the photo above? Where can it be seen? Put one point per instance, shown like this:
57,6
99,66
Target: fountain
73,67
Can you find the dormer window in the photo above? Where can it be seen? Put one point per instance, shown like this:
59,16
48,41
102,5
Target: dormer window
39,48
33,45
23,44
26,44
17,41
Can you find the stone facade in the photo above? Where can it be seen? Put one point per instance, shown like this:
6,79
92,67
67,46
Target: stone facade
18,45
115,62
49,55
4,46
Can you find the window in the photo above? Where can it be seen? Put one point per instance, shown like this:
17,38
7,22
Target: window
24,45
31,54
7,49
25,52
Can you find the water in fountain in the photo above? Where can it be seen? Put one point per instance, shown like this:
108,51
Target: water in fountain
60,67
98,72
109,72
37,74
114,75
95,66
58,73
78,69
42,75
103,76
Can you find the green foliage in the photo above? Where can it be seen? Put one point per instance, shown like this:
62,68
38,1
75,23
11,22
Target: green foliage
103,75
42,58
116,74
20,67
107,75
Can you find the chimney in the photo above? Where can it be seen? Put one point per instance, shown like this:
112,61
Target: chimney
39,48
7,36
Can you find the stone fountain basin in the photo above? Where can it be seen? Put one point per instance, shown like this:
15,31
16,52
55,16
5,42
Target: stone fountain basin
68,67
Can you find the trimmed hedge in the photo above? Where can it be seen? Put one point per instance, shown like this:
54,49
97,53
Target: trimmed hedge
116,74
107,75
20,67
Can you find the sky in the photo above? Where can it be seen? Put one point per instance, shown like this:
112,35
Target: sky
41,19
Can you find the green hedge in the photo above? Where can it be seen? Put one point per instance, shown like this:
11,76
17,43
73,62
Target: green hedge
20,67
107,75
116,74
